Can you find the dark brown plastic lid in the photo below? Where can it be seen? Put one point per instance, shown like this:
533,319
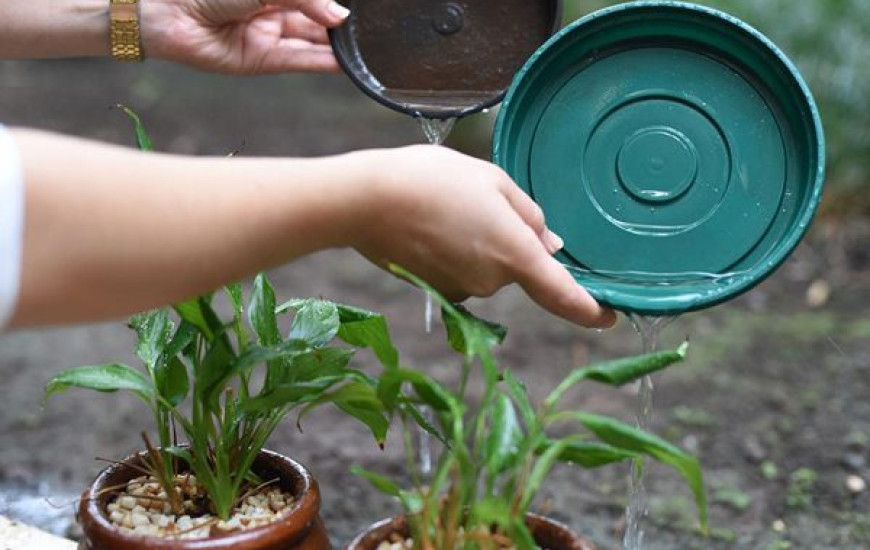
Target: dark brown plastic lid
440,58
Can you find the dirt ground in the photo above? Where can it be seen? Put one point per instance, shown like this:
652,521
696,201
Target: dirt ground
774,397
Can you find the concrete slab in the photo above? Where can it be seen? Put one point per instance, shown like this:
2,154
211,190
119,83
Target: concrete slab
16,536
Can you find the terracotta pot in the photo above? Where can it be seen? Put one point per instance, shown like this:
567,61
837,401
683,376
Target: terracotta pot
548,533
302,529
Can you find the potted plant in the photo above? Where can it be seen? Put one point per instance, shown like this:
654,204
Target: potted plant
496,454
200,380
217,389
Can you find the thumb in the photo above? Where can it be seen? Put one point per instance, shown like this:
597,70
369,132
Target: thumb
549,284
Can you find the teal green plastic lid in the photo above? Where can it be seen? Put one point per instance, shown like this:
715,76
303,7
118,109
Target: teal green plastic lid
674,148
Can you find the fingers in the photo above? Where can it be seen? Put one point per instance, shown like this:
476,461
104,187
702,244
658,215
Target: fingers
328,13
532,214
548,283
297,25
299,55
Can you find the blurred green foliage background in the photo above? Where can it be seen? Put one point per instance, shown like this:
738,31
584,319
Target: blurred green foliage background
829,41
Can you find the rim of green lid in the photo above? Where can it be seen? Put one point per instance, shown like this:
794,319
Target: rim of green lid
679,295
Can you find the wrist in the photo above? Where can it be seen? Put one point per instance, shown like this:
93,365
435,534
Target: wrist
365,196
54,29
155,22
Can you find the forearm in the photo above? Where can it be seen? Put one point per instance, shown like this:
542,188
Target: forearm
52,28
109,231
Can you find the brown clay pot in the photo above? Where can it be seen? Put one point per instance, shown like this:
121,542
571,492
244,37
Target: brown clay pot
302,529
549,534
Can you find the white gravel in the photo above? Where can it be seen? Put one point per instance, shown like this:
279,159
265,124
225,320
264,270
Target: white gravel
144,509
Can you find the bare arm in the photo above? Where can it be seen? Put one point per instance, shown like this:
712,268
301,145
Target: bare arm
110,231
48,28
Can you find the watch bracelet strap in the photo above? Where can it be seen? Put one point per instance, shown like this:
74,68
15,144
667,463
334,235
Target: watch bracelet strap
124,30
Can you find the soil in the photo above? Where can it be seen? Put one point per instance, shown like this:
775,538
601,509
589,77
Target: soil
774,396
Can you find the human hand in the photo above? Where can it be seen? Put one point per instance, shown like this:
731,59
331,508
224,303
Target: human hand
464,226
242,36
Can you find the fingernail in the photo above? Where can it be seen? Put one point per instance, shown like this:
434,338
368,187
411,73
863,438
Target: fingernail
338,10
555,241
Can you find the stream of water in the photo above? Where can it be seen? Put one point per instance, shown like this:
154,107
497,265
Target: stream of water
436,132
649,329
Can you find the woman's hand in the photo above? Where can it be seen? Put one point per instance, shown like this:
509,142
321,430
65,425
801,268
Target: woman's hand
242,36
466,228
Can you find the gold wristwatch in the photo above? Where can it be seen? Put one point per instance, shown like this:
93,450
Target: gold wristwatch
124,30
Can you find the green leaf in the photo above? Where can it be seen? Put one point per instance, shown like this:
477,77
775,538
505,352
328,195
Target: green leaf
359,400
180,452
504,435
221,364
623,436
261,312
520,535
520,396
370,415
234,291
412,501
427,389
491,511
142,138
289,395
366,329
619,372
311,364
172,381
184,335
316,321
541,470
423,422
199,313
103,378
467,333
379,482
153,329
590,454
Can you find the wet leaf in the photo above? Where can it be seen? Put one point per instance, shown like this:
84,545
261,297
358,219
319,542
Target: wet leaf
619,372
142,138
520,396
316,322
629,438
541,470
172,381
261,312
359,400
102,378
290,395
153,329
504,436
590,454
365,329
199,313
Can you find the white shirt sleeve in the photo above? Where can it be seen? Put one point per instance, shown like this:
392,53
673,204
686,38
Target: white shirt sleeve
11,225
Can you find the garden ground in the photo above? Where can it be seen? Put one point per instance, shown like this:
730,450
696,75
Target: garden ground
774,396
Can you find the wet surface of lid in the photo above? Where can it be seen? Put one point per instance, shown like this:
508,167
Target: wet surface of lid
675,149
437,58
